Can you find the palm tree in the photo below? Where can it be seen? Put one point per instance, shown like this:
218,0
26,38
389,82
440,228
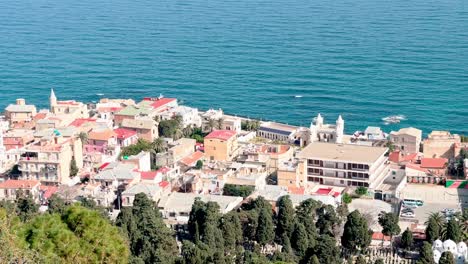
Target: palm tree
437,218
211,124
219,123
178,133
179,120
159,145
83,136
187,131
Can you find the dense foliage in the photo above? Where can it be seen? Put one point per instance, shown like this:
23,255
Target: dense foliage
238,190
64,235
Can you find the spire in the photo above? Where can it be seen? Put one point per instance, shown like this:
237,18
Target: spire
340,119
319,120
52,98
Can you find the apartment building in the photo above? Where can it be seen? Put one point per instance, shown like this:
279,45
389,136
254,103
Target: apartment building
20,112
344,165
221,145
48,160
406,140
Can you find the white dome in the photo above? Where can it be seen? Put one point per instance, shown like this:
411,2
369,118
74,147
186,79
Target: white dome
449,244
437,245
461,247
437,255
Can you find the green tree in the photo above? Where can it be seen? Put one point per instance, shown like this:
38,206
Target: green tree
407,239
141,145
211,124
379,261
150,239
285,218
193,254
326,250
80,235
158,145
238,190
265,229
432,230
305,214
199,165
73,168
447,258
83,136
26,207
299,240
219,123
453,230
327,220
389,224
360,260
356,235
313,260
361,190
232,232
425,255
56,204
347,199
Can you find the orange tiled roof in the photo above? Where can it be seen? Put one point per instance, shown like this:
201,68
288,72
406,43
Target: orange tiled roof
437,163
101,135
19,184
221,134
192,158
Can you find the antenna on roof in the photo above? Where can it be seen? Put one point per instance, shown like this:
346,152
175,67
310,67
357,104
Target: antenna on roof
160,96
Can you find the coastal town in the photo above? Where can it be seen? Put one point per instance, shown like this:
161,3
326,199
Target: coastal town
112,151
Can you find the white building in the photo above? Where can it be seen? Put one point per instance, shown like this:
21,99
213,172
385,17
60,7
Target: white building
326,132
190,116
344,165
176,207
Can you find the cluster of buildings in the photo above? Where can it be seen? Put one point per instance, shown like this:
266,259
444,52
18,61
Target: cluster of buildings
74,150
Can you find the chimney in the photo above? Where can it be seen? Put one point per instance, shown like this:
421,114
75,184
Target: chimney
20,101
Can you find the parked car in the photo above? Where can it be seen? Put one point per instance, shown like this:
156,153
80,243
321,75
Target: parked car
408,214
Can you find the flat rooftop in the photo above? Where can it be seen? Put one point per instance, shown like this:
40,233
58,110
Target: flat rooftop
342,152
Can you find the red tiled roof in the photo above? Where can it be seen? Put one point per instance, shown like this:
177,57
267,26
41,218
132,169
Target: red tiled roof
221,134
380,236
163,170
48,190
163,184
336,194
192,158
394,156
148,175
438,163
18,184
123,133
81,121
157,103
416,167
105,109
40,116
410,157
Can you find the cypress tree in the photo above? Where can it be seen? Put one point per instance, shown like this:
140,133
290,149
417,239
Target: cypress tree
265,229
356,235
453,230
285,220
426,255
432,231
299,240
407,239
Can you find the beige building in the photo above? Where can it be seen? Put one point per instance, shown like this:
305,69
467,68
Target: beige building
407,140
10,188
146,128
440,144
344,165
67,111
48,160
221,145
20,112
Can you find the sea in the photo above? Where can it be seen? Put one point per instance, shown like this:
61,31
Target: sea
276,60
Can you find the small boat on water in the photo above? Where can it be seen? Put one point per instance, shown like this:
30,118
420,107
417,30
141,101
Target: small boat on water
298,96
99,94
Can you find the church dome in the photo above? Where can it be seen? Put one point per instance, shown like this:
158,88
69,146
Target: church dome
461,247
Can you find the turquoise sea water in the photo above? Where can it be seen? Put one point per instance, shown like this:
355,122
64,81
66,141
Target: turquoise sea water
360,58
